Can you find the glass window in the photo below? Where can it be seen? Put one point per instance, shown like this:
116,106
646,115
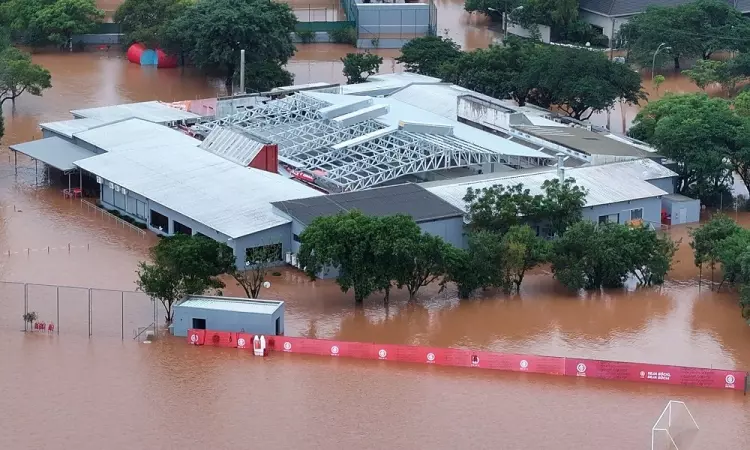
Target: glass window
636,214
609,218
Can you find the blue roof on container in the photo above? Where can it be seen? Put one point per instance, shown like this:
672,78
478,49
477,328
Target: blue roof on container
233,304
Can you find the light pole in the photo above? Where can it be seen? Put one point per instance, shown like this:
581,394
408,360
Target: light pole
506,15
653,62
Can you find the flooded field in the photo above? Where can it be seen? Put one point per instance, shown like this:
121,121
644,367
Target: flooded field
69,391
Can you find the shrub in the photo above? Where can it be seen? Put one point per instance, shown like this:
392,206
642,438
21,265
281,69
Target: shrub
306,36
346,35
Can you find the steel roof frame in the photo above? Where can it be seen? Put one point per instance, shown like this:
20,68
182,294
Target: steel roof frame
306,141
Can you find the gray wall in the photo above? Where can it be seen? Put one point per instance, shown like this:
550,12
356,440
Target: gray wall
451,230
393,19
651,210
217,320
129,205
607,24
665,184
682,212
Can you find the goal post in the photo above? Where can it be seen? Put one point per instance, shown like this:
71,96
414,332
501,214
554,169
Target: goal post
664,423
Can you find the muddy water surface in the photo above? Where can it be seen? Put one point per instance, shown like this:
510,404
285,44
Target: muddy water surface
69,391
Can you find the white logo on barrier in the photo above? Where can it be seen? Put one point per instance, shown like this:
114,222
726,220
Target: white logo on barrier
241,342
581,368
730,379
287,346
643,374
382,353
334,350
524,364
193,338
430,357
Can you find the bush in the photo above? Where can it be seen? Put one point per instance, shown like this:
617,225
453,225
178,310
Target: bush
306,36
346,35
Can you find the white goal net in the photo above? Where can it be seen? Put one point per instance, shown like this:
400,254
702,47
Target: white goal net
674,428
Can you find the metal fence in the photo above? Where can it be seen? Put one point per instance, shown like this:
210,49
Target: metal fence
320,13
90,207
79,310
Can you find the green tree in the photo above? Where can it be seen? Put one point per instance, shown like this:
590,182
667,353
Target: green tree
725,73
183,265
522,250
425,55
62,19
479,266
18,75
729,252
345,242
426,260
706,240
359,66
696,29
211,33
264,76
698,133
651,254
658,81
742,104
395,243
257,264
16,16
144,21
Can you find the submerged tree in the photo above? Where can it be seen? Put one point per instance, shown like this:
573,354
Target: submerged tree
63,19
257,265
19,75
183,265
425,55
144,21
359,66
706,240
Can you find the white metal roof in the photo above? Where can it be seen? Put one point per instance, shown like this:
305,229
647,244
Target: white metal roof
607,183
130,134
68,128
231,199
153,111
232,144
55,151
253,306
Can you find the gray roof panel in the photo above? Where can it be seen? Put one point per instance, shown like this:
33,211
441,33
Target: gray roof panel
617,8
408,198
54,151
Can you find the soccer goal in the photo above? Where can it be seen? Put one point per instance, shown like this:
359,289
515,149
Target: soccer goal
675,419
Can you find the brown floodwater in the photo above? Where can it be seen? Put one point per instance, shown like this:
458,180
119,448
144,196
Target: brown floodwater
71,391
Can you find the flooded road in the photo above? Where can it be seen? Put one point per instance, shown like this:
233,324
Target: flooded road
69,391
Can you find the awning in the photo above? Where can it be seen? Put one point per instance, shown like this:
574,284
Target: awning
54,152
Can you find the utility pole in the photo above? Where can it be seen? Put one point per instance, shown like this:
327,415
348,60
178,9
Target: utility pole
242,71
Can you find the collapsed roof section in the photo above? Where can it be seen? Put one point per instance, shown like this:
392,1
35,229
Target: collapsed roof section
347,145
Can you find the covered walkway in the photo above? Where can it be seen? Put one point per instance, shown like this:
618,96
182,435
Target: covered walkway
54,152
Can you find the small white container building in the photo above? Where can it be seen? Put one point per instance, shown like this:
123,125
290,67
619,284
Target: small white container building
228,314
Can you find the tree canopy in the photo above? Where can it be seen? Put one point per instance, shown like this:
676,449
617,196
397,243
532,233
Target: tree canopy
702,135
425,55
359,66
183,265
144,21
211,33
18,74
580,82
42,22
696,29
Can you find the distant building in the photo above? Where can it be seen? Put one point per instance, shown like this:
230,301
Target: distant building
228,314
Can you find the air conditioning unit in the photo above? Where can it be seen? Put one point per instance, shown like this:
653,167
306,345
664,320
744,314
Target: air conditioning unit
111,185
99,180
124,191
294,260
117,188
288,257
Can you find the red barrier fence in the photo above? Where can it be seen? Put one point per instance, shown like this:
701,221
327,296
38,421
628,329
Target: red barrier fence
550,365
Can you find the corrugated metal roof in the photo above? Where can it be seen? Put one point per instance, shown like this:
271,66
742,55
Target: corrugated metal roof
410,199
584,140
232,144
616,8
399,111
54,151
607,183
68,128
133,134
253,306
231,199
153,111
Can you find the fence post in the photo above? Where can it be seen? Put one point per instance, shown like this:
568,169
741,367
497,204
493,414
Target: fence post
25,305
89,312
58,309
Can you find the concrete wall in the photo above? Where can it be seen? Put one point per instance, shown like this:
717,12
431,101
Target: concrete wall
545,32
320,37
651,210
98,39
451,230
610,26
217,320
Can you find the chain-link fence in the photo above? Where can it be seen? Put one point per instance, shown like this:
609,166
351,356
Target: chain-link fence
79,310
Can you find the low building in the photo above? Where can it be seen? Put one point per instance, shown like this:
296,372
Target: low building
228,314
433,214
620,192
